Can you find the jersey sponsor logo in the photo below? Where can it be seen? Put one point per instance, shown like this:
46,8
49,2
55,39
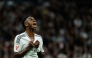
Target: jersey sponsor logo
17,46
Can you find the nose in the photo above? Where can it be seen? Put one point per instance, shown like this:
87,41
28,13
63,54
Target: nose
34,20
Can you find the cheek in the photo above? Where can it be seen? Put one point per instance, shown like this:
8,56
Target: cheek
29,23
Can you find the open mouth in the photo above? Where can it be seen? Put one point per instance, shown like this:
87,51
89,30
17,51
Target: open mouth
34,23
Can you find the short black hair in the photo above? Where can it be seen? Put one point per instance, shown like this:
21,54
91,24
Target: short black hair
23,20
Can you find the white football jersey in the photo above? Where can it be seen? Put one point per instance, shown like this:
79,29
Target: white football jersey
21,42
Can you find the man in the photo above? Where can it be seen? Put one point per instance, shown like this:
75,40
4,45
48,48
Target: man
28,44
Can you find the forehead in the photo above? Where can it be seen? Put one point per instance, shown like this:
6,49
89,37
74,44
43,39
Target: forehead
30,17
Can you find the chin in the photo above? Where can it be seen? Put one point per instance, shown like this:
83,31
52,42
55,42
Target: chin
34,28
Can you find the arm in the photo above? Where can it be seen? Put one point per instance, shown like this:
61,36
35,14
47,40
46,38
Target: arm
22,53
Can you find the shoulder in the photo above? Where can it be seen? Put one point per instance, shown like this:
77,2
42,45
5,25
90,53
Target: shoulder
37,35
19,36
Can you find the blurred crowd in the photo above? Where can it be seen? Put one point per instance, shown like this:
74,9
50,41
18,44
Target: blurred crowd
66,26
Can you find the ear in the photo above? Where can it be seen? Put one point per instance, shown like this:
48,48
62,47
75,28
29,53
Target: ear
26,24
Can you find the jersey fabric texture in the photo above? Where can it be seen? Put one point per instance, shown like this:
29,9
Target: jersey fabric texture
21,41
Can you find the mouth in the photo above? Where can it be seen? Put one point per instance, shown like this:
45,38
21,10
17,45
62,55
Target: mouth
35,25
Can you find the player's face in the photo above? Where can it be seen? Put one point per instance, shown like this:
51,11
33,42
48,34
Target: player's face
31,23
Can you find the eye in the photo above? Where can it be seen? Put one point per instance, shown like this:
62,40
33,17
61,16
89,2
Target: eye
30,18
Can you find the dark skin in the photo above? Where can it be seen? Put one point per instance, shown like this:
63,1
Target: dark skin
30,25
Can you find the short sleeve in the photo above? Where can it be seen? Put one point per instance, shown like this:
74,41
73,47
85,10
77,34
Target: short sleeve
17,44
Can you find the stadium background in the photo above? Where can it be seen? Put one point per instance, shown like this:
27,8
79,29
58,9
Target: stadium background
66,26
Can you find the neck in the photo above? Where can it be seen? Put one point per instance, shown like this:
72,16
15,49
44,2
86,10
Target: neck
30,32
